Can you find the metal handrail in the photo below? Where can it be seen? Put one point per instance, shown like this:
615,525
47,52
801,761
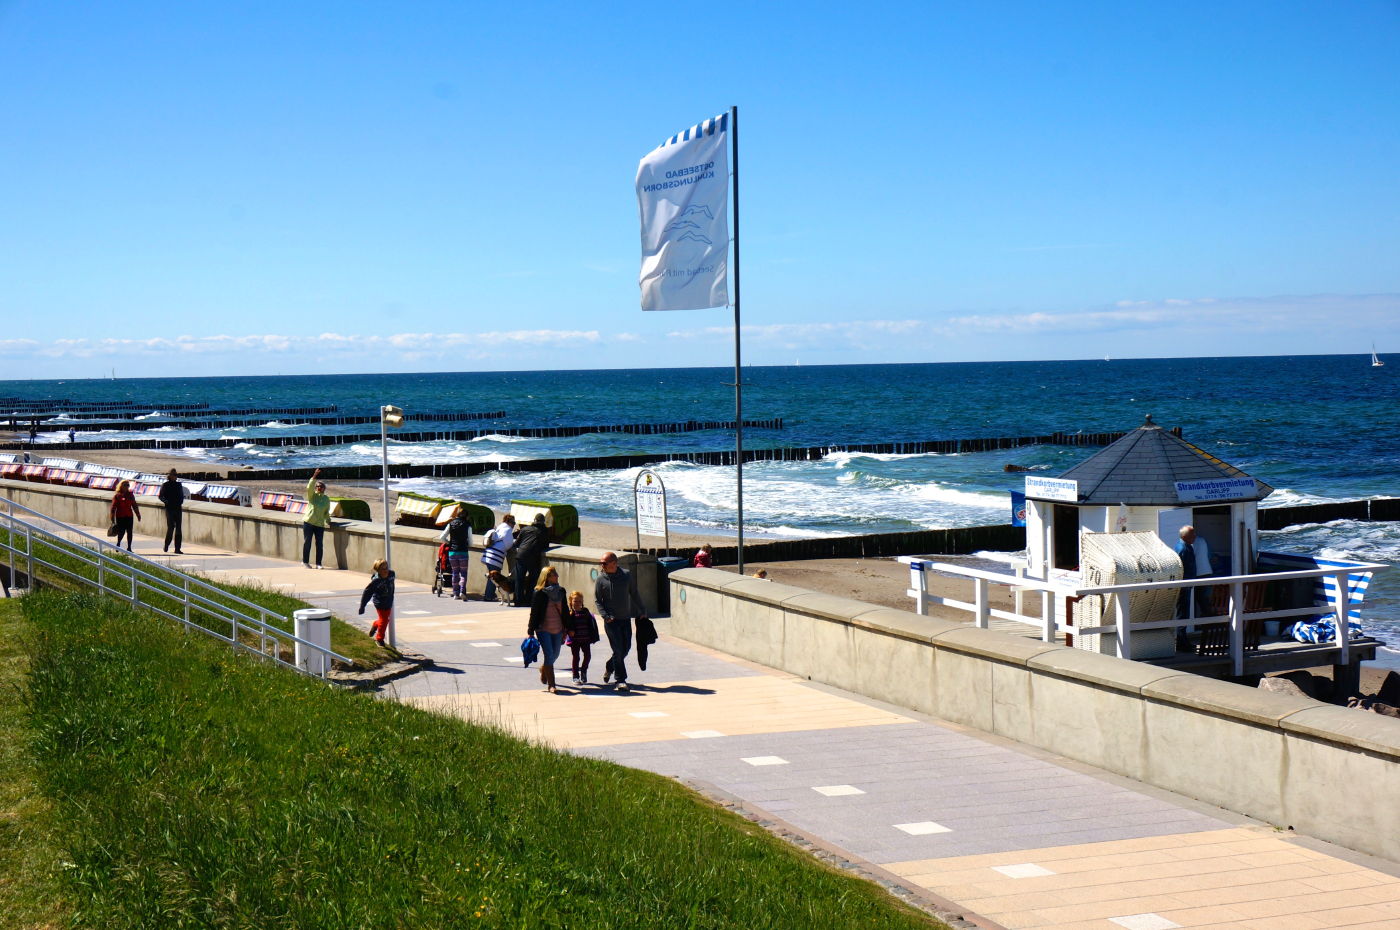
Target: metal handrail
1050,624
116,566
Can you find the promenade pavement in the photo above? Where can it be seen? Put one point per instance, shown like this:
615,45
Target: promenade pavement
1012,836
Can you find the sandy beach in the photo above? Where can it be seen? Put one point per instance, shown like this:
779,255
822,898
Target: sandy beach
873,581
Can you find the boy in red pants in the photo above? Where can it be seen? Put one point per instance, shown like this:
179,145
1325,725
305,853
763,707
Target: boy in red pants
381,590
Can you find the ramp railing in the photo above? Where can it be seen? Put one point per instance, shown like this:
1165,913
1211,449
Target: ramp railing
34,542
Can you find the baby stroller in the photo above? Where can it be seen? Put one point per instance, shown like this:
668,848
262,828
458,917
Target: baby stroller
442,578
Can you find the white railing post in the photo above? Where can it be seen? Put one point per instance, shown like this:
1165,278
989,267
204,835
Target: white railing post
979,600
1342,601
1237,628
1020,572
1125,633
919,583
1047,616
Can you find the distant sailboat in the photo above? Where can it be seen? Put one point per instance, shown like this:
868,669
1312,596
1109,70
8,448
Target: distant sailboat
1375,359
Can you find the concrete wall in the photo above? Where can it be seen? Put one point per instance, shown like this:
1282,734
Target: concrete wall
1327,771
349,545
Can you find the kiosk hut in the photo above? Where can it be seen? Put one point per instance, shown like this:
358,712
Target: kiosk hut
1153,481
1100,561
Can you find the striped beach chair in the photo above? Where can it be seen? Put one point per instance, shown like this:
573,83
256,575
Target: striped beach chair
1324,589
413,511
103,483
297,505
11,470
272,500
227,494
34,473
77,479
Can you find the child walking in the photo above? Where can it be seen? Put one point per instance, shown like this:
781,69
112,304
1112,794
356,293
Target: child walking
583,633
381,590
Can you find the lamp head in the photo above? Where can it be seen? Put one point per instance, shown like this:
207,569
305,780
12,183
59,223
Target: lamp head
391,416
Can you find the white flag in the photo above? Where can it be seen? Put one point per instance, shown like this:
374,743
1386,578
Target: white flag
683,199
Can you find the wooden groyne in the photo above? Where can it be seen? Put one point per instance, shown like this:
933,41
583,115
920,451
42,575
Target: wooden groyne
967,540
961,540
461,435
722,457
131,413
327,419
1375,510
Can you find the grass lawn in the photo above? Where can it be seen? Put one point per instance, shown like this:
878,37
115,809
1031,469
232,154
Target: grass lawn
175,784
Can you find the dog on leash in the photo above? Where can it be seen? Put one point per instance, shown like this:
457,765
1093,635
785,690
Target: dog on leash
505,588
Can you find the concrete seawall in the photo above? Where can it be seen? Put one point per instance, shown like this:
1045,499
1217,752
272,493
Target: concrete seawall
1328,771
349,545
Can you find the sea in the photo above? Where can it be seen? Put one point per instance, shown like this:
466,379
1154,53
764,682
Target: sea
1316,428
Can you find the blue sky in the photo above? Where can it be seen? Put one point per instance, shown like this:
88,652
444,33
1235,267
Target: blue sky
260,188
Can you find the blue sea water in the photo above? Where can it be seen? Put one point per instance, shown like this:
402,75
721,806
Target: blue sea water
1316,428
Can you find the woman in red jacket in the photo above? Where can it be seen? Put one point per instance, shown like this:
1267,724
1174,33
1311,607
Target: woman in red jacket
122,509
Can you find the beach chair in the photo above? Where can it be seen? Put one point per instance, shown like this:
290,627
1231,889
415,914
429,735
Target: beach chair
297,505
38,473
272,500
226,494
11,470
415,511
102,483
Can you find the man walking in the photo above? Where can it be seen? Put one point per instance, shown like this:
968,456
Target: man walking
616,597
172,495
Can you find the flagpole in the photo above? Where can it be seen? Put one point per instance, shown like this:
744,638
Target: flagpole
738,366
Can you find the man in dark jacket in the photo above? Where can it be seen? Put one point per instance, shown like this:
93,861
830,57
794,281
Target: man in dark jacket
172,495
616,597
530,546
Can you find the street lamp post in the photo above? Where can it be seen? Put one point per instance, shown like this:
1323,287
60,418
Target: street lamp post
389,418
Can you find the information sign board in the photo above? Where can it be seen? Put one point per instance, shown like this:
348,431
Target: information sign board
650,495
1052,489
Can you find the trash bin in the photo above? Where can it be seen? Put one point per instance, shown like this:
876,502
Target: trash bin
314,626
664,566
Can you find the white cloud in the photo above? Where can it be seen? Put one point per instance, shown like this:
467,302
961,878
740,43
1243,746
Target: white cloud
404,345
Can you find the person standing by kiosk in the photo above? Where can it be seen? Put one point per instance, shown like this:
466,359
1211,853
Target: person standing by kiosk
1195,563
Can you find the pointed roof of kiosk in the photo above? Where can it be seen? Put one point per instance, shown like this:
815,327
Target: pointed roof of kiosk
1144,467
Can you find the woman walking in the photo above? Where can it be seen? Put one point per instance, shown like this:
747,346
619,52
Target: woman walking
317,519
583,633
122,510
380,590
458,536
547,623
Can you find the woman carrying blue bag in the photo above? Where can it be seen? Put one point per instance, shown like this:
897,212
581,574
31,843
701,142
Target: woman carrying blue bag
547,612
